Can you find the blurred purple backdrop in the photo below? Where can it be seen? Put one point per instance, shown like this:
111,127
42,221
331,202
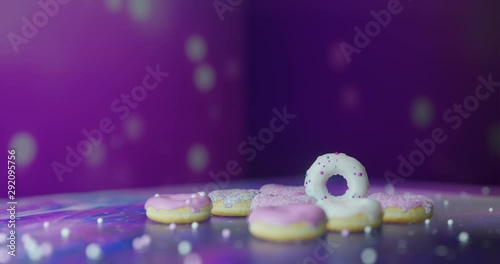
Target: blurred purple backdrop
226,77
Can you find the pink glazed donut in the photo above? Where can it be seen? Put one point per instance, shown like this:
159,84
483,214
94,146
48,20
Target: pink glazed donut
178,208
405,208
264,200
287,222
277,189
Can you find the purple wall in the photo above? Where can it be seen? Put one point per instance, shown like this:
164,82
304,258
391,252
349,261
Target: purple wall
394,91
65,79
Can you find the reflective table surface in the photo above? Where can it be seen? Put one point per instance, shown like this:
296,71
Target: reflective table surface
41,220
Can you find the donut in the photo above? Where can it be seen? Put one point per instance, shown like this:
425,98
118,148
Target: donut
178,208
263,200
233,202
353,214
278,189
405,208
287,222
333,164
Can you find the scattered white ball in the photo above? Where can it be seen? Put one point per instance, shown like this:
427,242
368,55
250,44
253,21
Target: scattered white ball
202,193
450,222
172,226
46,249
368,256
485,190
463,237
99,220
137,244
441,250
368,229
344,232
146,240
46,224
25,238
184,247
93,251
427,221
188,201
157,195
193,196
4,255
490,210
192,258
35,254
195,225
226,233
402,244
65,232
446,202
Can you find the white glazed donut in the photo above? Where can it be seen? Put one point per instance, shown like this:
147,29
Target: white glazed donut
332,164
352,214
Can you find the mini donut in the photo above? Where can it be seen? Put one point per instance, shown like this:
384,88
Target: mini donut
178,208
287,222
353,214
277,189
406,208
333,164
263,200
233,202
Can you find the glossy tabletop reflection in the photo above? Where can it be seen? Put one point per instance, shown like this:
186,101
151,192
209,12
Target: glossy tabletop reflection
124,219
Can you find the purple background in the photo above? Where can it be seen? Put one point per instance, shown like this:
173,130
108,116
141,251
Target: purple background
263,55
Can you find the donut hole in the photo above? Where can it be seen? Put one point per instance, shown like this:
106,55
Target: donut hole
336,185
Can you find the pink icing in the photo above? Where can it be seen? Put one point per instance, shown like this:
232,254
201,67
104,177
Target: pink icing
175,201
263,200
288,214
278,189
404,201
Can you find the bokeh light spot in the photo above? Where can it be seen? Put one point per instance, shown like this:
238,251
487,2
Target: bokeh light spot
26,148
196,48
422,112
133,127
350,98
97,156
204,77
197,158
140,10
114,5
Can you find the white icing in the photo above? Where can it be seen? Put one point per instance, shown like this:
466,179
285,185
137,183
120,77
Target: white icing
347,208
332,164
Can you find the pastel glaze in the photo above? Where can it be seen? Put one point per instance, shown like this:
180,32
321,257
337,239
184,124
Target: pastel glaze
278,189
333,164
347,208
175,201
233,196
263,200
404,201
288,214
